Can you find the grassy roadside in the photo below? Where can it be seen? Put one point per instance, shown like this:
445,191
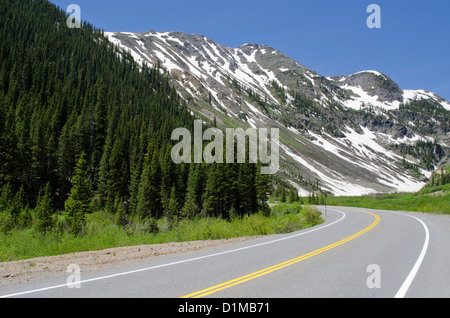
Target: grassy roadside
103,233
435,200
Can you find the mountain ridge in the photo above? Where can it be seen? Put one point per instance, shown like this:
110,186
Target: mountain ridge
346,133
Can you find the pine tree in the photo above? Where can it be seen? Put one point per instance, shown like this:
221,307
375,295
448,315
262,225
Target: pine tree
66,159
293,195
210,197
118,173
283,194
79,202
262,183
193,201
167,179
18,205
172,210
44,210
5,197
247,189
149,194
98,129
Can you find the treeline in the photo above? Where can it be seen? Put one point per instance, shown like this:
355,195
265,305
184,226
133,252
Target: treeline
83,127
440,177
428,116
428,107
429,153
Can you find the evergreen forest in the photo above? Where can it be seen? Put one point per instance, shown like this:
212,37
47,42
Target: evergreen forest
84,128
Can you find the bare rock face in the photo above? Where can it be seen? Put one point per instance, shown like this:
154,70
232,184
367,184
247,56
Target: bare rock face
348,133
375,84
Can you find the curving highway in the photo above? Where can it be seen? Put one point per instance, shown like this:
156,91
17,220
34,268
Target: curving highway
356,253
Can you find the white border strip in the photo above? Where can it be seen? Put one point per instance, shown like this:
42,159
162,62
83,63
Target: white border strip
175,263
405,287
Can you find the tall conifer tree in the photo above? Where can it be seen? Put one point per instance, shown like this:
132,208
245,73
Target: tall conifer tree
79,202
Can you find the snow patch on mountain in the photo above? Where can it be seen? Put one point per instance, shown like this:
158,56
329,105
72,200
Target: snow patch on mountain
255,85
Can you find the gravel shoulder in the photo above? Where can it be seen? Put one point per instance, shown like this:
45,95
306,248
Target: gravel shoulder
23,271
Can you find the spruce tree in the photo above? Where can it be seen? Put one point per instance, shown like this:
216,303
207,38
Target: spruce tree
211,195
193,202
79,202
149,196
172,212
293,195
44,210
247,173
167,179
262,183
283,194
98,129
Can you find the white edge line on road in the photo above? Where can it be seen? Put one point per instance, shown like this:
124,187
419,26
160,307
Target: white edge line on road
405,287
174,263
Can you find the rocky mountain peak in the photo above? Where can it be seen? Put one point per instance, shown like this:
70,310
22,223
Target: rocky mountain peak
374,83
352,134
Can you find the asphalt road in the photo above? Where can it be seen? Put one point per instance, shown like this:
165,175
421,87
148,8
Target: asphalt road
356,253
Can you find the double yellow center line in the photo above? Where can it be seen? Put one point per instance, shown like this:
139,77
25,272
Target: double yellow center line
246,278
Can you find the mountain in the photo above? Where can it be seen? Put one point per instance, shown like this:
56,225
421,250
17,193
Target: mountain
348,135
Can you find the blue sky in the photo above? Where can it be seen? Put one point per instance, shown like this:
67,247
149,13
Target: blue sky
328,36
